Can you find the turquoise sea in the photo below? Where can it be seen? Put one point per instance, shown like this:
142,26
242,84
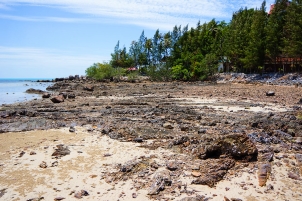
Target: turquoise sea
12,90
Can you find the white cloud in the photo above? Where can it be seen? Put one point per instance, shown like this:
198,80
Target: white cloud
33,62
164,13
46,19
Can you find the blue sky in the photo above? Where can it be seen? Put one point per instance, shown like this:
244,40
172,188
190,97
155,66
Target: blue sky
58,38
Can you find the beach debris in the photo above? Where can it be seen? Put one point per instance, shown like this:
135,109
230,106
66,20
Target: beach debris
197,198
202,131
93,176
71,96
134,195
299,161
61,150
138,139
72,129
32,153
294,176
263,173
168,126
21,154
128,166
270,93
59,198
172,165
160,180
80,194
266,157
2,192
54,164
226,199
36,199
43,164
196,174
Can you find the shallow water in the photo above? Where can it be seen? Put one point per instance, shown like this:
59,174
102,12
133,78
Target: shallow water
13,90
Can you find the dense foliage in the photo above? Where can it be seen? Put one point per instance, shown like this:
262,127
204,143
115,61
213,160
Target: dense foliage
250,40
101,71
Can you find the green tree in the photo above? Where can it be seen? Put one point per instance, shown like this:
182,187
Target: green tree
92,70
100,71
255,50
293,33
275,31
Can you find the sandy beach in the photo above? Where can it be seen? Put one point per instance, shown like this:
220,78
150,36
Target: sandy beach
92,155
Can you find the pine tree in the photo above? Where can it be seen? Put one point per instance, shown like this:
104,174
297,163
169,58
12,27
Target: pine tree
293,33
275,31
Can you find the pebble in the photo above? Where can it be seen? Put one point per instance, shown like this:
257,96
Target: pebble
196,174
43,164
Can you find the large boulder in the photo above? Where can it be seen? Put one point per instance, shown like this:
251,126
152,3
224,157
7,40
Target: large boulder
46,95
59,79
57,99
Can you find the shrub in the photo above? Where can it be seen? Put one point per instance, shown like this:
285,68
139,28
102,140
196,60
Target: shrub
100,71
132,76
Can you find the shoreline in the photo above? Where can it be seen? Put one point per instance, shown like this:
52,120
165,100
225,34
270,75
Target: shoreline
14,91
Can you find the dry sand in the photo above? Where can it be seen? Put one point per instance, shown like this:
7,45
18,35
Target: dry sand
93,154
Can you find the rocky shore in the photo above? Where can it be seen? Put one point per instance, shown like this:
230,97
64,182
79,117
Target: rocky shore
236,139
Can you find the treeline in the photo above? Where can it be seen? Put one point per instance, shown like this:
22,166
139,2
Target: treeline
250,40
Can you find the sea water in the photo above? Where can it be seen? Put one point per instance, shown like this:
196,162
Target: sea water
12,90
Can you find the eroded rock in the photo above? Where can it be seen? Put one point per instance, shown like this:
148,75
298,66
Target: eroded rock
128,166
46,95
213,170
57,99
61,151
80,194
238,146
34,91
264,171
160,180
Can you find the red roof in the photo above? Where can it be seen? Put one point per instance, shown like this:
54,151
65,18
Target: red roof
287,59
273,6
271,9
132,69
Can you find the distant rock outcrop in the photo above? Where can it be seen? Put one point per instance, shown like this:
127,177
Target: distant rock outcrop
34,91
